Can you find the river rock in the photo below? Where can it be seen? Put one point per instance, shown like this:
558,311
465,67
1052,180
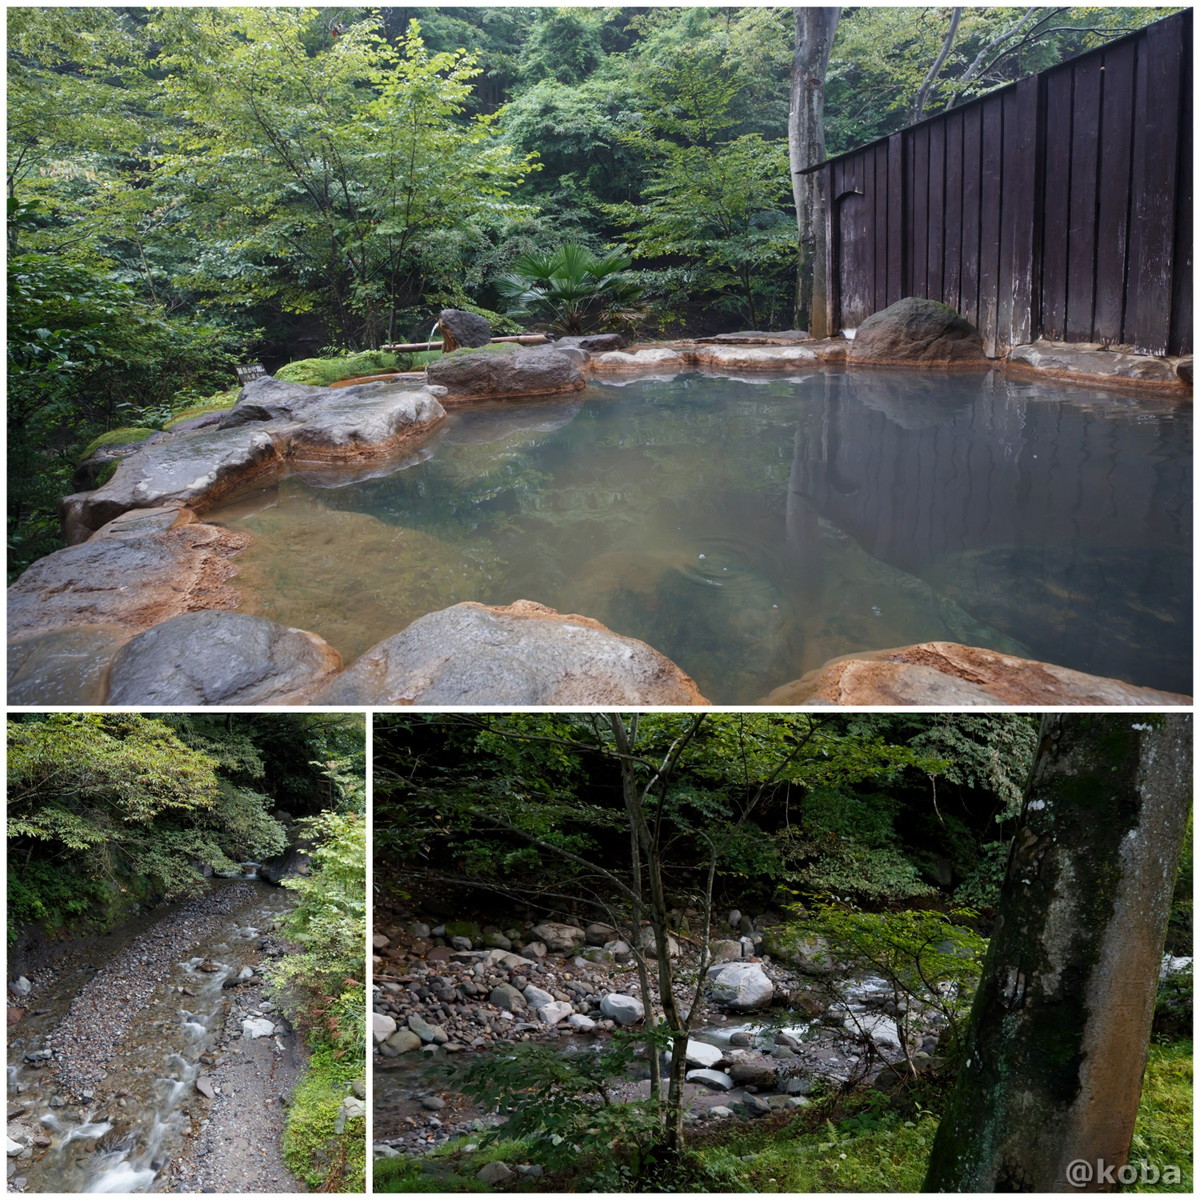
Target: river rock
724,950
523,653
740,986
382,1026
219,658
559,938
581,1023
494,1172
1071,361
941,673
754,1071
505,996
755,1106
717,1080
554,1012
915,330
459,328
625,1010
403,1041
502,371
702,1054
20,986
204,1085
257,1027
657,360
649,944
536,997
597,934
429,1034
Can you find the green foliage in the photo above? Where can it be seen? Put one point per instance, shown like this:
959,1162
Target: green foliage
1162,1135
563,1107
981,888
43,893
931,959
329,923
118,803
1173,1006
571,290
324,1157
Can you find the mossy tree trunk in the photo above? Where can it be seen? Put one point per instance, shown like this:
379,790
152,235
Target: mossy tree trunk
1057,1041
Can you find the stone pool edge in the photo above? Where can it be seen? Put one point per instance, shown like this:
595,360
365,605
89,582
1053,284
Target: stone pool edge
72,613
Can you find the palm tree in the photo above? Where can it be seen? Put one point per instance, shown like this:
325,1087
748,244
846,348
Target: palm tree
570,289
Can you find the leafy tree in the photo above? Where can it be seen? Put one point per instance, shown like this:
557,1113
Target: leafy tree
337,174
119,804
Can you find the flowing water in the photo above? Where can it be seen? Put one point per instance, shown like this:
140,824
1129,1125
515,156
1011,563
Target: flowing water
118,1134
752,529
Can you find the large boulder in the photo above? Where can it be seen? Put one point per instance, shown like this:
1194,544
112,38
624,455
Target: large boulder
941,673
139,569
559,937
63,666
460,328
915,330
504,370
219,658
355,428
520,654
625,1010
194,470
740,986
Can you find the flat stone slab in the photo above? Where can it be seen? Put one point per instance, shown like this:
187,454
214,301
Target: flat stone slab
638,360
948,673
1065,360
219,658
351,428
524,653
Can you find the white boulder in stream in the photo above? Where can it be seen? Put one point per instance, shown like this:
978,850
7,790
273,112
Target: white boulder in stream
740,986
257,1027
717,1080
702,1054
625,1010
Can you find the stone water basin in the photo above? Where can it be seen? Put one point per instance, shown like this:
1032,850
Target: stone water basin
752,529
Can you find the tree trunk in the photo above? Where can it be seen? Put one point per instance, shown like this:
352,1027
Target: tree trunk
1057,1041
814,32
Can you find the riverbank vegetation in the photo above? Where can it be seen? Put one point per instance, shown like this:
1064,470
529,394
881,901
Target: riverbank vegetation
870,845
191,187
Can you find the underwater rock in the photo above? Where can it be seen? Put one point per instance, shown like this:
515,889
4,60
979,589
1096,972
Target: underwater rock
948,673
524,653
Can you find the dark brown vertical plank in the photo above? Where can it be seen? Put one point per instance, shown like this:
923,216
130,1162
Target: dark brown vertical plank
952,241
969,284
991,183
879,211
920,211
1011,200
1112,221
1057,190
1155,170
1181,297
934,250
897,191
1023,206
1081,244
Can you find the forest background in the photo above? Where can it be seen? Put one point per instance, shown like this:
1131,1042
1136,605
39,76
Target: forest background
193,187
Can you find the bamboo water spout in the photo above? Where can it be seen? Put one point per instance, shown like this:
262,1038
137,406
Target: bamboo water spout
524,339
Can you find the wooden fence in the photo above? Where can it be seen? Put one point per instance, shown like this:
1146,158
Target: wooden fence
1059,206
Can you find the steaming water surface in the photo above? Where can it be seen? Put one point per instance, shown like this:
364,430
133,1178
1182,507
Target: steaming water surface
753,529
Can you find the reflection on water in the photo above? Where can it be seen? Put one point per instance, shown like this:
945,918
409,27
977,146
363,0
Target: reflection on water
753,530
